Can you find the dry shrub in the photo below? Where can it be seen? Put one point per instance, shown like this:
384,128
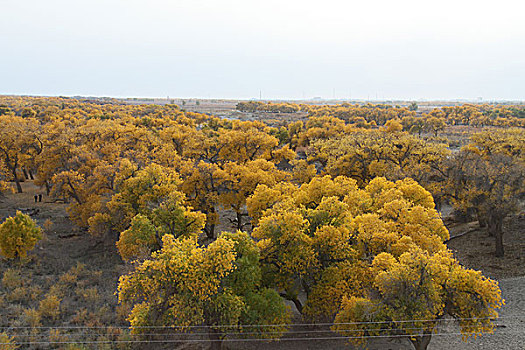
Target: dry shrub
32,317
16,310
104,343
104,314
125,340
96,275
122,312
20,295
84,317
76,347
35,336
71,277
68,278
79,269
34,292
90,295
55,336
48,224
57,289
12,279
50,306
121,336
113,332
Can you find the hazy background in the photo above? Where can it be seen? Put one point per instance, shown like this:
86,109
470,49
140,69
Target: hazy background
285,49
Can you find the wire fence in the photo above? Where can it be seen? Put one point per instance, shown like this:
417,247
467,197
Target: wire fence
277,325
191,334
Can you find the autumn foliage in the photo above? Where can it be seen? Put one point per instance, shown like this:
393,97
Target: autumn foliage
368,255
334,209
18,235
185,284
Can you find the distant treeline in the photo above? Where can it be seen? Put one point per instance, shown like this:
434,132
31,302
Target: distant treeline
378,114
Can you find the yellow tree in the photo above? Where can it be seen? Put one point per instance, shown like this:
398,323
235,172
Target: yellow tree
326,239
321,128
18,144
489,176
185,285
4,177
300,231
410,294
434,124
152,193
201,183
413,124
82,158
246,141
58,153
90,187
222,164
241,180
364,155
18,235
393,125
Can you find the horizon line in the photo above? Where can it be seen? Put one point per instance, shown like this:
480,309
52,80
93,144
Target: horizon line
315,98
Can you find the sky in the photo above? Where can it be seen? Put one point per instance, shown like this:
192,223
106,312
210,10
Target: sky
242,49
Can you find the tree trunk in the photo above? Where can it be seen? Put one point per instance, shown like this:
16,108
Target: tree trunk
210,230
438,203
297,304
215,339
482,219
73,193
495,227
239,221
421,342
17,182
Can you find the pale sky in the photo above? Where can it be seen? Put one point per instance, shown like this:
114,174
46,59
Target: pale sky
289,49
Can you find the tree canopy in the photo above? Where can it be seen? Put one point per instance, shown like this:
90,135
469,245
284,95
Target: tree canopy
360,255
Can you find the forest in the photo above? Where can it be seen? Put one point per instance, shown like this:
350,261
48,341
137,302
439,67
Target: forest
190,228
